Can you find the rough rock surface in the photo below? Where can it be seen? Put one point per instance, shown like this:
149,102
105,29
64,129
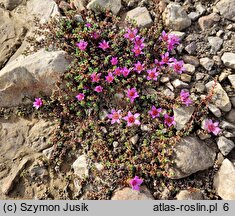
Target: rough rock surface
216,43
206,22
20,138
231,116
113,5
129,194
141,16
191,155
207,63
80,167
8,183
227,9
220,97
189,195
225,145
232,80
11,35
175,17
228,59
224,181
11,4
43,10
182,115
27,76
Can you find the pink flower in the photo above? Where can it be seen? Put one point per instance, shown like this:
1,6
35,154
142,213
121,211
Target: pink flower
98,89
104,45
135,183
95,35
178,66
95,77
157,63
152,74
132,119
132,94
109,78
80,96
114,61
139,67
166,59
139,42
82,45
88,25
131,34
125,71
212,127
137,50
115,116
184,97
172,41
154,112
164,36
117,71
37,103
169,120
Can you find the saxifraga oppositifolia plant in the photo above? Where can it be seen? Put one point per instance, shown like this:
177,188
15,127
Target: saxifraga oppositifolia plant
110,102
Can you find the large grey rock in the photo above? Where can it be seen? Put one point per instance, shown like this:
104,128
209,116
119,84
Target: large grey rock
220,98
228,59
80,167
189,195
175,17
43,10
232,80
191,156
113,5
225,145
227,9
27,76
224,181
141,16
182,115
129,194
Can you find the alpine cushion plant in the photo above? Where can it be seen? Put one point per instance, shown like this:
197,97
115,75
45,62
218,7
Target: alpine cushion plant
117,71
